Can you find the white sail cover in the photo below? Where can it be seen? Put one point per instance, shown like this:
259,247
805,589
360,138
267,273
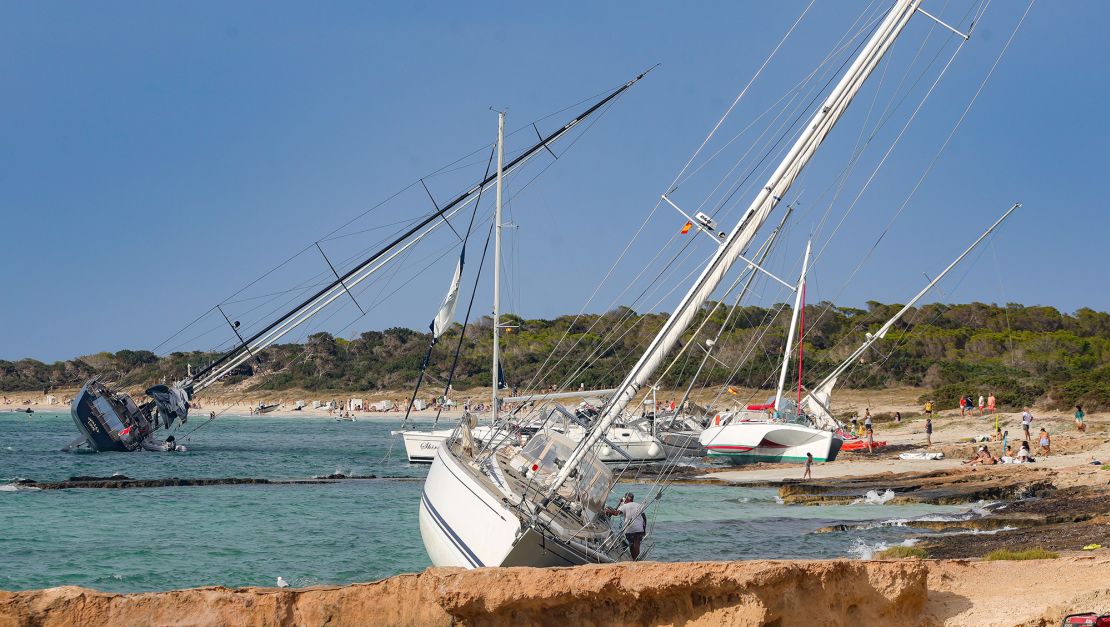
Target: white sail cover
817,405
446,311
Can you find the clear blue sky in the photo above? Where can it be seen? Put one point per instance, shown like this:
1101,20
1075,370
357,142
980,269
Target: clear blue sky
158,156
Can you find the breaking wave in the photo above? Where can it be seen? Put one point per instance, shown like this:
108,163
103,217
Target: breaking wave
863,550
874,498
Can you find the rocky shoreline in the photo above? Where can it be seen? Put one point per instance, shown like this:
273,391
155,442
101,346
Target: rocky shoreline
832,592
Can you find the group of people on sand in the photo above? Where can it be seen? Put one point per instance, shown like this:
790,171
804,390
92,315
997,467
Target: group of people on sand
986,405
868,428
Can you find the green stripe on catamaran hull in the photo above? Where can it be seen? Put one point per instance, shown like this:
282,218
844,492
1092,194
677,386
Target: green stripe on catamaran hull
748,458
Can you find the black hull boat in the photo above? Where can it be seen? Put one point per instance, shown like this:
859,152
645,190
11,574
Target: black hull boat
113,421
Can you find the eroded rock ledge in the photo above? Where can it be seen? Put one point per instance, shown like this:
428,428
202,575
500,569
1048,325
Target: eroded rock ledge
834,592
699,593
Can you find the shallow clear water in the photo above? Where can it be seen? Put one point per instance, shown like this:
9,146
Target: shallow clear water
358,530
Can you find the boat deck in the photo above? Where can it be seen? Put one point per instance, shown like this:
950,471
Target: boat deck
519,486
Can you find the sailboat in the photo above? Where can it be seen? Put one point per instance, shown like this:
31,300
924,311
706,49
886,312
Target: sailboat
493,481
775,431
421,445
109,419
543,504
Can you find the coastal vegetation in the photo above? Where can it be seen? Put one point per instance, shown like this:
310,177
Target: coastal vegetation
1023,354
902,552
1026,554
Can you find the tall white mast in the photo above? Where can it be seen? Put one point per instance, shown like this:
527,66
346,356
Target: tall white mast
737,241
821,392
798,304
497,264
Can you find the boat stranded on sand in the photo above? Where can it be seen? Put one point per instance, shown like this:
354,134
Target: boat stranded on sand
496,500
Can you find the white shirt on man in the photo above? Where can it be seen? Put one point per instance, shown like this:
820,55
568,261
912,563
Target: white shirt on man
630,514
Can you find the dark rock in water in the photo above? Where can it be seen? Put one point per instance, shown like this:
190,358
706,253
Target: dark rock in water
664,469
935,488
120,482
88,478
837,528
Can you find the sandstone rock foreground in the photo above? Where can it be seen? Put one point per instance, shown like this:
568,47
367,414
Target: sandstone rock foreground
833,592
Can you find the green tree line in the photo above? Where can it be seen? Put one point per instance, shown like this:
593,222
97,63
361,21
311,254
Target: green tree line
1022,354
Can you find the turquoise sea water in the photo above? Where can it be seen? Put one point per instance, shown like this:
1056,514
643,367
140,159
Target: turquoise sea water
357,530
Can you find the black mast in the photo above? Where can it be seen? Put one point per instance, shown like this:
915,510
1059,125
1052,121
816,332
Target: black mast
543,143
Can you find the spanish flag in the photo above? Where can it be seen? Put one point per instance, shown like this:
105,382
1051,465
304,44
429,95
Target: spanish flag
732,390
686,229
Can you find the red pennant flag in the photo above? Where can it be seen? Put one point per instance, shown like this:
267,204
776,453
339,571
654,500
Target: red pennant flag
686,229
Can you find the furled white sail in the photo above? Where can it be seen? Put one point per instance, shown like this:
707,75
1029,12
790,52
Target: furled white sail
446,312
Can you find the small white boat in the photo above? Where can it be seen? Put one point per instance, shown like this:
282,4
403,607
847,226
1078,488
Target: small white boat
421,446
677,433
640,446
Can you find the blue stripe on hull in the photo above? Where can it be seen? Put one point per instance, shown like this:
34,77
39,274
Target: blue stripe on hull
450,533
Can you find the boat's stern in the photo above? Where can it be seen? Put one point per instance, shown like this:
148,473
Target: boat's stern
98,419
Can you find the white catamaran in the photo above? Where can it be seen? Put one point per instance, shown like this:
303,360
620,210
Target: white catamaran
776,432
543,504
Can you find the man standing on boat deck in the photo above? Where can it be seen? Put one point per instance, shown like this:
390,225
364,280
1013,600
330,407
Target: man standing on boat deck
633,521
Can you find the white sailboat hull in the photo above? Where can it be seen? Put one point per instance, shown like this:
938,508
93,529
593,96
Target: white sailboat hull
754,442
421,446
640,445
465,525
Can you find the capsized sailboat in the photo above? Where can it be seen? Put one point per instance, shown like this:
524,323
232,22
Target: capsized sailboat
543,504
111,420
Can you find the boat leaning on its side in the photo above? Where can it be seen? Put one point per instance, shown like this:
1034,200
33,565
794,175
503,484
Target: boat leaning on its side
754,442
469,514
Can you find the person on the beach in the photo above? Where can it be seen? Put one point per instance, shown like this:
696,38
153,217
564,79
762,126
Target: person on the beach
1026,422
855,426
1023,454
929,431
991,402
963,405
982,456
898,417
1046,443
869,430
1079,416
928,408
809,462
1005,439
982,404
633,521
